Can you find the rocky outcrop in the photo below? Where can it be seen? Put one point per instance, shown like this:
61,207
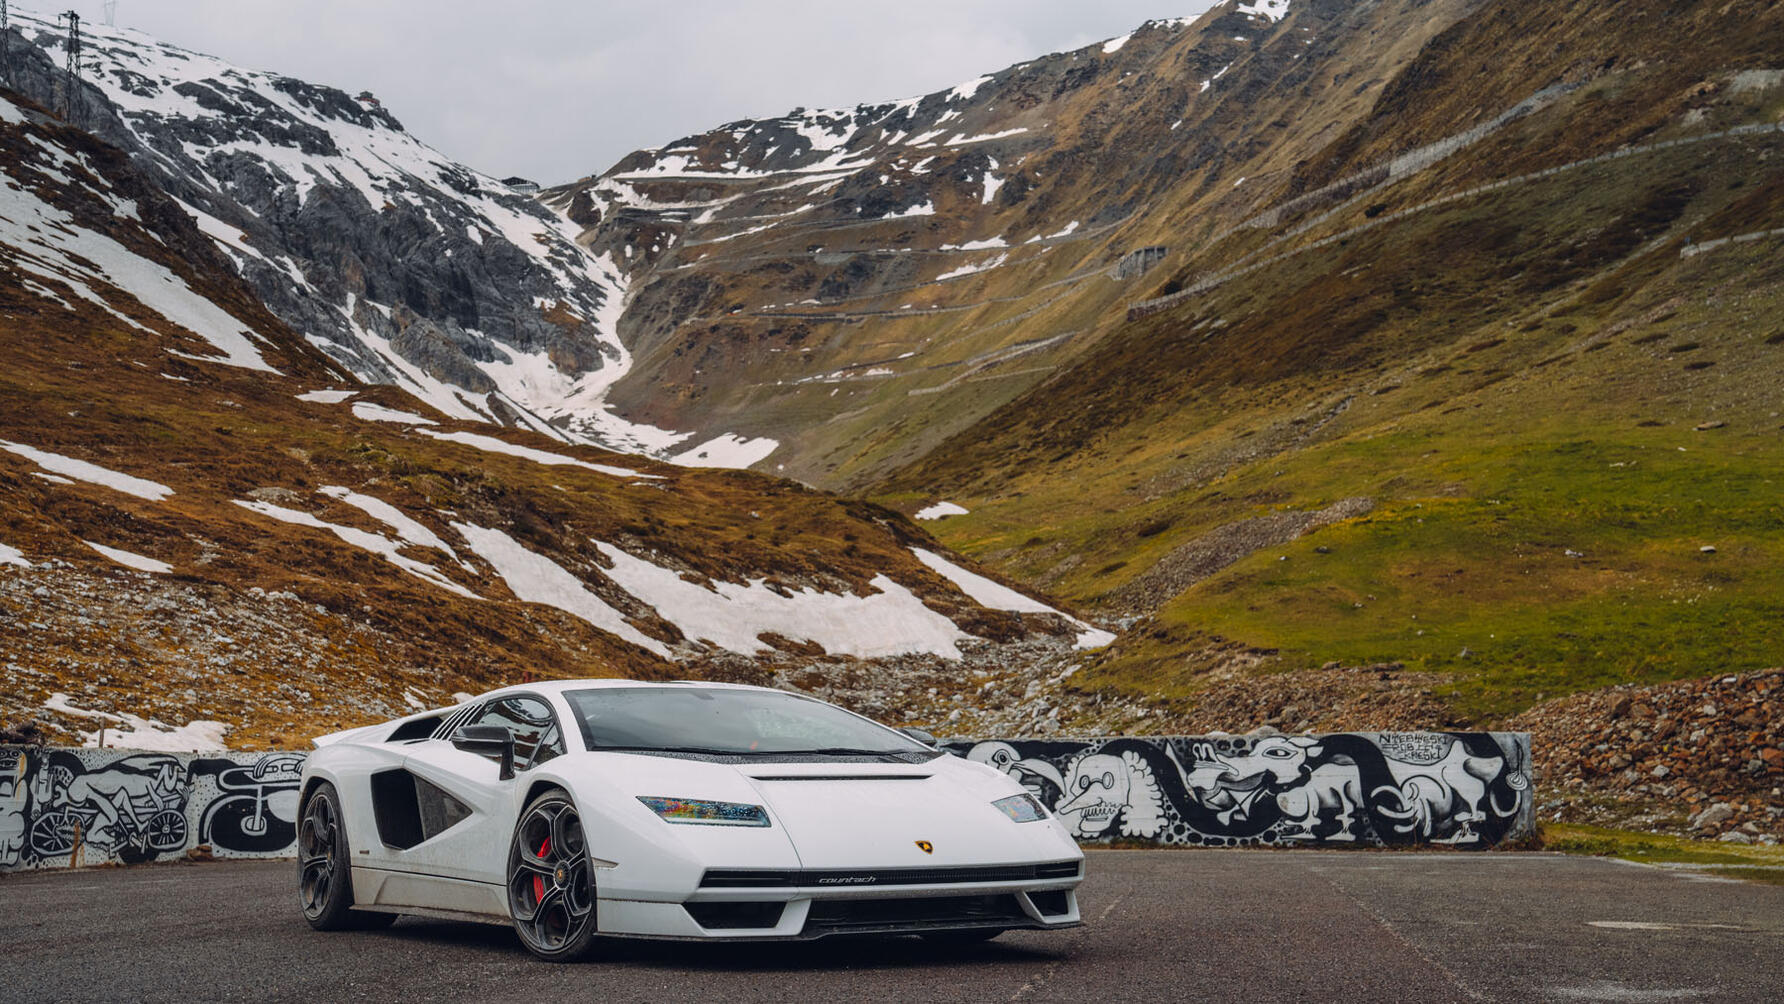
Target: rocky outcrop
1704,756
405,266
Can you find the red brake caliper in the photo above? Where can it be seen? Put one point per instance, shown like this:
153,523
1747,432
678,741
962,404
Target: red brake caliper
539,880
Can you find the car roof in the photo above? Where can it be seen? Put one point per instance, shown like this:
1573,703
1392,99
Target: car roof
560,686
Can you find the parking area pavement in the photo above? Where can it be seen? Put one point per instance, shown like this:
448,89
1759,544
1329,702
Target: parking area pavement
1216,925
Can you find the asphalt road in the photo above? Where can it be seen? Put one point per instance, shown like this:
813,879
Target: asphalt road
1161,925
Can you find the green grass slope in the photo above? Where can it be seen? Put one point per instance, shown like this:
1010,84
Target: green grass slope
1556,393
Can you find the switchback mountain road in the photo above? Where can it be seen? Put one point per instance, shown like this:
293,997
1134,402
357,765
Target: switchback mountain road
1160,925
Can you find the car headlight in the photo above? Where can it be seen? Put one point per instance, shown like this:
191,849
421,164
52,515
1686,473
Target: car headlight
705,813
1021,808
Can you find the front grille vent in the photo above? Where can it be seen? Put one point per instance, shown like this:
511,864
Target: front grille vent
865,915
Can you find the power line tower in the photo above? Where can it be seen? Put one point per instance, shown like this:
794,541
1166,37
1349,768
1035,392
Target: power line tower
111,12
5,43
71,77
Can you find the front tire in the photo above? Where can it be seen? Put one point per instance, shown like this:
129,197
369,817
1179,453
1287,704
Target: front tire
551,883
324,878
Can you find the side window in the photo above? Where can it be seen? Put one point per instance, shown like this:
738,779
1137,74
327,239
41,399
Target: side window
536,734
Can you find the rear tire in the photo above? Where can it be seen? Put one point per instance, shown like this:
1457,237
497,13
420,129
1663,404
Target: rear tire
551,881
324,876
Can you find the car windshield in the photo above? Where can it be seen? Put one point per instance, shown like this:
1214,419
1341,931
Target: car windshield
726,722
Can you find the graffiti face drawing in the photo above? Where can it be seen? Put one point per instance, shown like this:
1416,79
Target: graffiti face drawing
1103,790
13,823
1040,777
1232,784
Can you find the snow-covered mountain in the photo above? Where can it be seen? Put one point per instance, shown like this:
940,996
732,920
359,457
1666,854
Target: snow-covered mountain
403,265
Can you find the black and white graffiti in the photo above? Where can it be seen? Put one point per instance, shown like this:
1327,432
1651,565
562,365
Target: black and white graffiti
63,808
1467,789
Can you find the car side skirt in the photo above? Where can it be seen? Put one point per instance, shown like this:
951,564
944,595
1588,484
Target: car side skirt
407,892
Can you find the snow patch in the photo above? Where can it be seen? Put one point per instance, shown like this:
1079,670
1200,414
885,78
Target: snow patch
1270,10
134,733
130,559
996,596
984,266
81,470
49,244
364,540
407,529
941,509
729,450
326,396
534,578
1113,45
10,555
369,412
963,140
1070,228
491,444
965,91
924,209
892,621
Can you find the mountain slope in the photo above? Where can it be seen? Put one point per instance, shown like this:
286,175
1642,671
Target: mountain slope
204,518
408,268
859,284
1485,386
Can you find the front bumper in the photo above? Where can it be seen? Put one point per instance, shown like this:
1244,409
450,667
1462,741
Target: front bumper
803,912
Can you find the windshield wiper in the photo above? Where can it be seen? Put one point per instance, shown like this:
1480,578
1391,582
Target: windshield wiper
852,751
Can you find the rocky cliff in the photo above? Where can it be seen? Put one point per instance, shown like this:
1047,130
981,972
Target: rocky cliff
406,267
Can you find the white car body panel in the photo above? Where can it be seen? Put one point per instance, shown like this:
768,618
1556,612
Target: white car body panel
843,832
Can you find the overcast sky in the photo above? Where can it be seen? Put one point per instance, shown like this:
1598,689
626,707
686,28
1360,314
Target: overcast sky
558,89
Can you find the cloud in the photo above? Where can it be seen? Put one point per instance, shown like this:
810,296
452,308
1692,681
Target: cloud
559,89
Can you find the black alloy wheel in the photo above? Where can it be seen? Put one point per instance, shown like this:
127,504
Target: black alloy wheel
324,882
551,883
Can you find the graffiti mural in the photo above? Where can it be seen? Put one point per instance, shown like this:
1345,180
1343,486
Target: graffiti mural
1467,789
65,808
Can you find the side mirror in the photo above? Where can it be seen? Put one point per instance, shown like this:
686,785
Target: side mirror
488,740
919,735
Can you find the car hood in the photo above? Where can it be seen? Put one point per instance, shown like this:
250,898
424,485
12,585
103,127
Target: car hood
839,814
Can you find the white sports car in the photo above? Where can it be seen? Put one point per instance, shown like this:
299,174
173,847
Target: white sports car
671,810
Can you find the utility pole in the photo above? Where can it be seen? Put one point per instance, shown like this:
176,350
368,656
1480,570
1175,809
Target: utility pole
5,43
72,76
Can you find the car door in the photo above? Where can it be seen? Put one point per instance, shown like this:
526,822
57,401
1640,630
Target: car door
465,809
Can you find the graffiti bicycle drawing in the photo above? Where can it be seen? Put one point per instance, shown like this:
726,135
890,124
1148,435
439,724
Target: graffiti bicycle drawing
133,809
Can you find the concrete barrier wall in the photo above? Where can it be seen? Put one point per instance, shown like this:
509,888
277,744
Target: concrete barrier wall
1467,789
63,808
